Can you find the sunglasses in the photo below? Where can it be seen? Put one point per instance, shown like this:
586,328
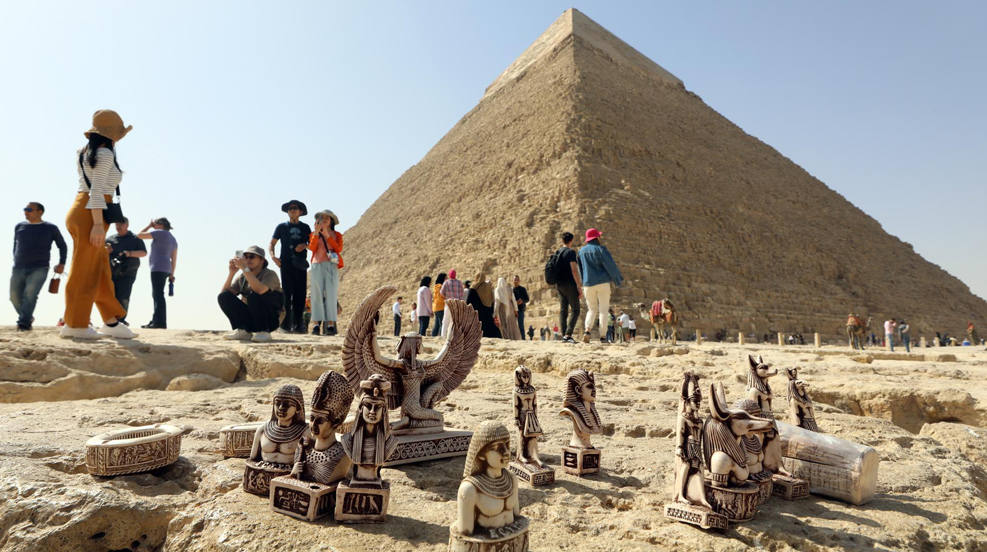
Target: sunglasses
28,209
250,256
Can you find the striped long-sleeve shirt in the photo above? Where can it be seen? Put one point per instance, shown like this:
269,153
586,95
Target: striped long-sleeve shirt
104,177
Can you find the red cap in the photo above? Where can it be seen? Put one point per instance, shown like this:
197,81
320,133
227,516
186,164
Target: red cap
452,274
592,234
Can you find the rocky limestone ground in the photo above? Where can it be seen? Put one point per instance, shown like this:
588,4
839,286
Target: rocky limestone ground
925,413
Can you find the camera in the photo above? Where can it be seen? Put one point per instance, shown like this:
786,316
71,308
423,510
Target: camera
238,254
118,261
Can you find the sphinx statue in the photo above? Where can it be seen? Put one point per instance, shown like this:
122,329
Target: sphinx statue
728,487
802,413
690,504
275,442
319,461
527,465
758,388
416,385
365,496
488,510
579,405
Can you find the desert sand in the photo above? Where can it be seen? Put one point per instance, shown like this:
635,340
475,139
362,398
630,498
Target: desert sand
925,414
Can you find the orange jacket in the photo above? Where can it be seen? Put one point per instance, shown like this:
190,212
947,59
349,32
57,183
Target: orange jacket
334,241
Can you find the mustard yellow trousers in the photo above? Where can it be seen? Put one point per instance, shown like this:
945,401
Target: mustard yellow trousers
89,279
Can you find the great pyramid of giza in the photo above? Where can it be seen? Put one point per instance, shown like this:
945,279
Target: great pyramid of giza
582,131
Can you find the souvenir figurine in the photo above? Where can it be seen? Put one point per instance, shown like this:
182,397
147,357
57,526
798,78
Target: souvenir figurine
367,445
690,504
133,449
758,389
489,513
526,465
274,443
803,413
580,457
416,385
320,461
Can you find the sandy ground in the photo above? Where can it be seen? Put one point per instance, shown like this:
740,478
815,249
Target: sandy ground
925,414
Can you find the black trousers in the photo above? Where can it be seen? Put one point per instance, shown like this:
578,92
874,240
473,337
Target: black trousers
568,298
123,284
397,324
293,282
160,317
520,322
259,313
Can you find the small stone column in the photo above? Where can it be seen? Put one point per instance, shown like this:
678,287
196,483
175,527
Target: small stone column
922,342
781,339
817,341
699,337
740,338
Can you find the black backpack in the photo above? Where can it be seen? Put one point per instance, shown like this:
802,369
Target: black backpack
552,267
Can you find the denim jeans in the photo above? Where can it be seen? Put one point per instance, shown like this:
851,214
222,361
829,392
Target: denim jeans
437,326
906,341
890,341
25,284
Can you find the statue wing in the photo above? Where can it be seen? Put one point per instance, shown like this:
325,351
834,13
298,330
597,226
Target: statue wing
460,351
361,356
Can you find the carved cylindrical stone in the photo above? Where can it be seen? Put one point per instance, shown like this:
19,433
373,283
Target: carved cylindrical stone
510,538
833,467
235,440
133,450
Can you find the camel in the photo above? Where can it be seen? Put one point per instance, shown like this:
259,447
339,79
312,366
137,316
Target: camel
668,317
857,330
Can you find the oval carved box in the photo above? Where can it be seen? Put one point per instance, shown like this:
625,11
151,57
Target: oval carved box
235,440
133,450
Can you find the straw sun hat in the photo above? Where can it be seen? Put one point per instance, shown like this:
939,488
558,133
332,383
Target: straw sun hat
108,123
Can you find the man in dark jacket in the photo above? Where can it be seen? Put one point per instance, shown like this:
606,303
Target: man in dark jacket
568,284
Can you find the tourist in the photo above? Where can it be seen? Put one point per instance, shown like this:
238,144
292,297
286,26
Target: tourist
451,289
126,250
253,300
90,282
598,271
163,258
414,315
294,237
424,304
623,321
506,310
326,245
904,332
32,256
631,328
889,327
568,284
555,333
481,297
611,325
438,303
971,333
531,333
521,296
396,308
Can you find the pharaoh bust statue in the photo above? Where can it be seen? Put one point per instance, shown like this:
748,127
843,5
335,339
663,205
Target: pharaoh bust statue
370,442
275,441
320,457
803,413
488,495
580,406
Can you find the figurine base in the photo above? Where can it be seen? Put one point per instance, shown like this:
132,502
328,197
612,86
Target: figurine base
764,488
736,503
302,499
235,440
257,476
696,515
510,538
415,447
362,504
580,461
532,474
789,488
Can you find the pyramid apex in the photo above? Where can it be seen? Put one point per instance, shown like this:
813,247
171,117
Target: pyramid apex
573,22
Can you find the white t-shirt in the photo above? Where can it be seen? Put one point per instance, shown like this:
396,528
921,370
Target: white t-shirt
624,321
632,325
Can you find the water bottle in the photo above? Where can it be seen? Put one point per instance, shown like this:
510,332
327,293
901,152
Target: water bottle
171,289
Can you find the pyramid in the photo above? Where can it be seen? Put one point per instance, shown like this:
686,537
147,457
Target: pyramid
584,131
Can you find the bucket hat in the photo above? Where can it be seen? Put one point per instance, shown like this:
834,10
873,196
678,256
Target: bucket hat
592,234
285,206
327,213
108,123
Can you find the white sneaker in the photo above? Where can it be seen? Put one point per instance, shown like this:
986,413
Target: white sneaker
261,337
78,333
120,331
238,335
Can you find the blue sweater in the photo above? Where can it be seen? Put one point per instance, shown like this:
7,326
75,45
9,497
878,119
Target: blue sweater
597,266
32,244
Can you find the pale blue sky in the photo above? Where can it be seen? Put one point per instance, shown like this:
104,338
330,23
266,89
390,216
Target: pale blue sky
240,106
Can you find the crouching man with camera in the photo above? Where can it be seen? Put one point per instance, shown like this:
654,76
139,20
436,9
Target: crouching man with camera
252,299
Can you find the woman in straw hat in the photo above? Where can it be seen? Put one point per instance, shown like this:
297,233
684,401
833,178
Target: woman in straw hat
326,245
90,281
